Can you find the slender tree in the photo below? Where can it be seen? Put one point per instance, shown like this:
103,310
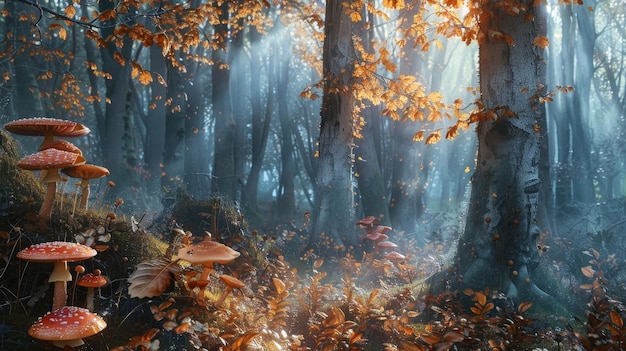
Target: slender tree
334,193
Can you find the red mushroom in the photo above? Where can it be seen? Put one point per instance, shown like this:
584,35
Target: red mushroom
60,253
62,145
51,160
85,172
46,127
67,326
91,281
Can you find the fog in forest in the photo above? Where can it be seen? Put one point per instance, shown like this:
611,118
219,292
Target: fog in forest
438,175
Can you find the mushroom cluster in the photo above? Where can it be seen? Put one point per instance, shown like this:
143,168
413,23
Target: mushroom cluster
64,325
55,155
207,253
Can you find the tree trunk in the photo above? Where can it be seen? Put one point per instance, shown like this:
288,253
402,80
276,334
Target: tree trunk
334,194
498,248
286,202
155,126
117,88
196,156
174,128
223,176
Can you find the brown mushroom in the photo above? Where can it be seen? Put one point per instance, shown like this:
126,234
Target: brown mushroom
85,172
59,253
207,253
46,127
51,160
231,283
67,326
91,281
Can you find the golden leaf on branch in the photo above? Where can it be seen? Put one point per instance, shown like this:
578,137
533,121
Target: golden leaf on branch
434,137
70,11
419,136
541,41
393,4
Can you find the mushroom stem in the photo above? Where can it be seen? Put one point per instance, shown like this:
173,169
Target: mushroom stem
46,207
206,272
60,276
84,198
90,296
222,297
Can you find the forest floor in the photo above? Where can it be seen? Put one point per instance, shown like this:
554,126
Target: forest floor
292,298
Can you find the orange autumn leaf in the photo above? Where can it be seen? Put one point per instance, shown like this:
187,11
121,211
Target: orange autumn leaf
541,41
145,78
434,137
70,11
419,136
393,4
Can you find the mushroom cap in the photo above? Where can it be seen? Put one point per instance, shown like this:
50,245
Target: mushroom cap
232,281
382,229
50,158
56,251
43,126
395,256
207,251
67,323
387,245
91,280
368,221
86,171
375,236
62,145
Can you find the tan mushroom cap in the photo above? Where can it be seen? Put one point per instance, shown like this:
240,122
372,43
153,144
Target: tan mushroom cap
47,127
56,251
62,145
207,251
395,256
232,281
67,325
86,171
387,245
91,280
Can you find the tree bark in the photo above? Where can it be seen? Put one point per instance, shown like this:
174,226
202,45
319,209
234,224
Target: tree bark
334,194
498,248
155,126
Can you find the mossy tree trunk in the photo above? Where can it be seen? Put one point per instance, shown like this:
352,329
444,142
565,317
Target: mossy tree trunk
498,249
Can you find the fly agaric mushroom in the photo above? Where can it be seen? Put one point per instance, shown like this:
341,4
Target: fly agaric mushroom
91,281
67,326
46,127
85,172
207,253
51,160
62,145
60,253
231,283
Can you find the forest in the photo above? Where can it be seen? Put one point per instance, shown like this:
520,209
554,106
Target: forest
277,175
